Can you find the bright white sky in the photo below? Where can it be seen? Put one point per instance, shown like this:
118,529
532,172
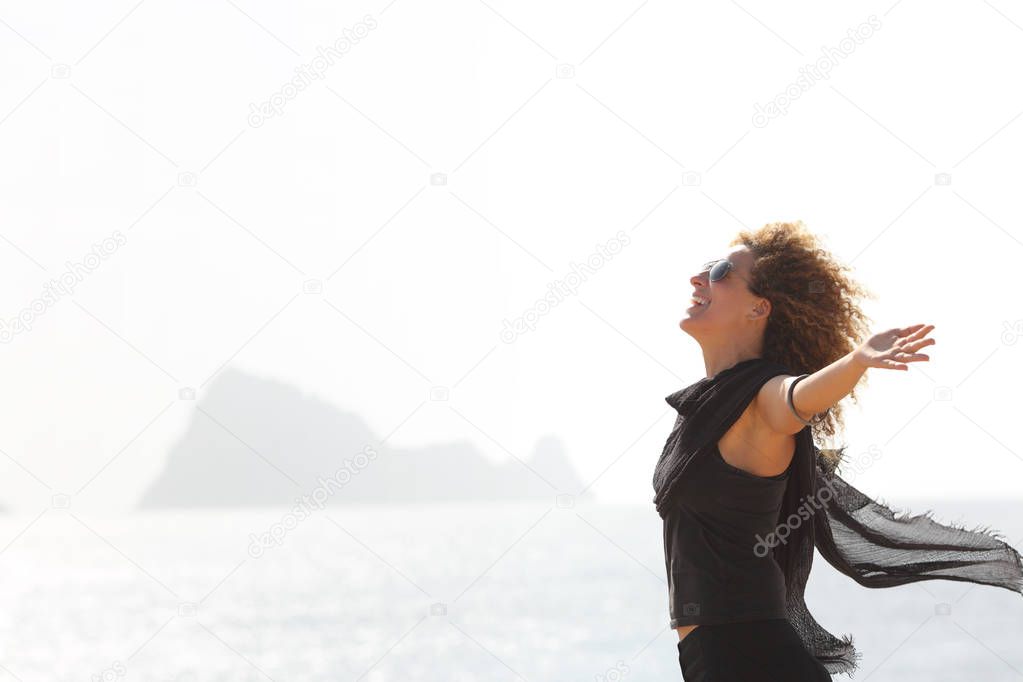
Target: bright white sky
541,172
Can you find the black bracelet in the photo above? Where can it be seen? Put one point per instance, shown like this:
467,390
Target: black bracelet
792,387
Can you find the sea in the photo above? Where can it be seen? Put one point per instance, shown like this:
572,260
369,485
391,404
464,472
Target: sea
529,591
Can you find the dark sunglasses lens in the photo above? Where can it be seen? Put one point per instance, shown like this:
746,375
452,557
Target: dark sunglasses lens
719,270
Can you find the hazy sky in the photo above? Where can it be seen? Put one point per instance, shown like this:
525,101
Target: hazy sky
557,132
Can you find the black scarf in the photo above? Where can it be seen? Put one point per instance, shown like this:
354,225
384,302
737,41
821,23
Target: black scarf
857,535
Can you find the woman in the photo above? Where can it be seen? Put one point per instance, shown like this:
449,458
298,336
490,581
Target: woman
746,495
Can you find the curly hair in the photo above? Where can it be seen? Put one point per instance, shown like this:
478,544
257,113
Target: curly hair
815,318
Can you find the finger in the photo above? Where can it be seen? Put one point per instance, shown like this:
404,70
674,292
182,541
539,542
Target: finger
923,330
917,345
907,333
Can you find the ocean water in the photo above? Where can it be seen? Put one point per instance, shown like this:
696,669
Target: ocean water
457,591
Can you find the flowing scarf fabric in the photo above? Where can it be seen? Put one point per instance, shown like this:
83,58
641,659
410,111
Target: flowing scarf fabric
857,535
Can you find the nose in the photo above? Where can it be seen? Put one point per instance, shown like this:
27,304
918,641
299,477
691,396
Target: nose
699,280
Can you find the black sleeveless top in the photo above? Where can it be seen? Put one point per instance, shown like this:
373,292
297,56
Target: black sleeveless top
864,539
719,566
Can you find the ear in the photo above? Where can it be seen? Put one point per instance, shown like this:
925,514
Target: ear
762,308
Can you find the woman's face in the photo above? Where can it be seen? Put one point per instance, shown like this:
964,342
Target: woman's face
730,305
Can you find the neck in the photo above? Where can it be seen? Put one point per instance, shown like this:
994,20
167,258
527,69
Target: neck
720,358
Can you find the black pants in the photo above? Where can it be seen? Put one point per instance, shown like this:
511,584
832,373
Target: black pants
751,651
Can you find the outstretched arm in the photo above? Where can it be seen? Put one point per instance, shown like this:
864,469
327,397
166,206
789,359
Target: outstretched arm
819,391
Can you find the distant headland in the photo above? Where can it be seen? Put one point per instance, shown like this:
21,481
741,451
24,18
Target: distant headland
258,442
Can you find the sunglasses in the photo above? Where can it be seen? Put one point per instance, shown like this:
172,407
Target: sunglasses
719,269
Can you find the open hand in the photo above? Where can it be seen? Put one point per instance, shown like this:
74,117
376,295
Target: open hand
891,348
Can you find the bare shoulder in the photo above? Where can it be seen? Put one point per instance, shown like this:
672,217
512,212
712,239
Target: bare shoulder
771,407
752,445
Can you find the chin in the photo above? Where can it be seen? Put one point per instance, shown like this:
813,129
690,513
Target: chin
687,324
